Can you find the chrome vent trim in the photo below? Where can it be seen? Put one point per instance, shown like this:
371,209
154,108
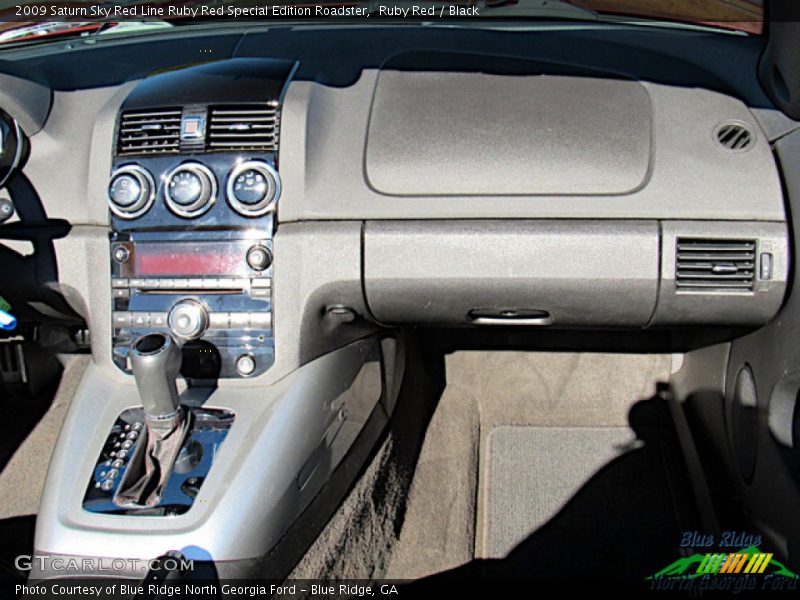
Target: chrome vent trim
243,127
719,265
143,132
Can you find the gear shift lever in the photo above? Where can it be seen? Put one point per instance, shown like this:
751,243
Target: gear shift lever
156,360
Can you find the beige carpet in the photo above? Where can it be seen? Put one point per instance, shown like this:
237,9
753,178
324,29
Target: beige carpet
444,525
22,480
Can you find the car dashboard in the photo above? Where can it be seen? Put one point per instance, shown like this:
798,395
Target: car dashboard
412,183
279,201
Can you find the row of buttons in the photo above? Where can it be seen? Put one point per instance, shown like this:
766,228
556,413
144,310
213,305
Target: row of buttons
206,283
216,320
121,445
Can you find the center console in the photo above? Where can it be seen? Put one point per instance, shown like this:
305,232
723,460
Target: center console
178,444
192,194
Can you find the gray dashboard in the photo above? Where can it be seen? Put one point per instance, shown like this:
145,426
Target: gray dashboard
419,196
416,145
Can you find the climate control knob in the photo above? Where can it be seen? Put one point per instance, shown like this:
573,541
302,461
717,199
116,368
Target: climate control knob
188,319
131,192
190,190
253,188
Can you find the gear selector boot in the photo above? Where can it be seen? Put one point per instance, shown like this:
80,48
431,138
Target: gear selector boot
155,360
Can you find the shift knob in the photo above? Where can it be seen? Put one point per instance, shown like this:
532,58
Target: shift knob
156,360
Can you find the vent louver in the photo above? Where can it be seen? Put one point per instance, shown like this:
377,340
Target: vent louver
735,137
715,265
243,127
149,132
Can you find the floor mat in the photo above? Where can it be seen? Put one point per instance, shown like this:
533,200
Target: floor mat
624,522
534,471
445,521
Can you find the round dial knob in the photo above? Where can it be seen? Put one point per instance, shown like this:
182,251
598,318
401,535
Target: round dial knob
190,190
259,257
131,192
188,319
253,188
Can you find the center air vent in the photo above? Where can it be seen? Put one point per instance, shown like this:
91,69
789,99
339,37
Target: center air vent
715,265
735,137
149,132
243,127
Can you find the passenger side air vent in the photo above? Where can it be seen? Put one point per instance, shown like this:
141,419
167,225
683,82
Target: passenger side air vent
715,265
243,127
734,137
149,132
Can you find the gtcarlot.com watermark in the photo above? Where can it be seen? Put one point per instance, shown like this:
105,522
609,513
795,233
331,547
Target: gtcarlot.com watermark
60,564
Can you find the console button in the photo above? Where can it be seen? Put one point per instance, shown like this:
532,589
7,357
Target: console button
240,320
158,319
218,320
261,320
259,257
263,283
121,255
119,283
245,365
121,319
765,271
212,283
140,319
188,319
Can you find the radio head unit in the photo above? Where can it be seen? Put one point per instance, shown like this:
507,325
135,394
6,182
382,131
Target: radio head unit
213,295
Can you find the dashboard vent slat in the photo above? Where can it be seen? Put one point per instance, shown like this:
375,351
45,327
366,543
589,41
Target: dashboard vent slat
735,137
245,127
149,132
715,265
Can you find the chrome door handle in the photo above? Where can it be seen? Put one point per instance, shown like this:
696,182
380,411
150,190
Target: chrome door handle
542,320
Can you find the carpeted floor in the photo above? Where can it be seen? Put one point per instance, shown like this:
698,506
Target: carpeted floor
535,462
533,472
22,478
532,464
